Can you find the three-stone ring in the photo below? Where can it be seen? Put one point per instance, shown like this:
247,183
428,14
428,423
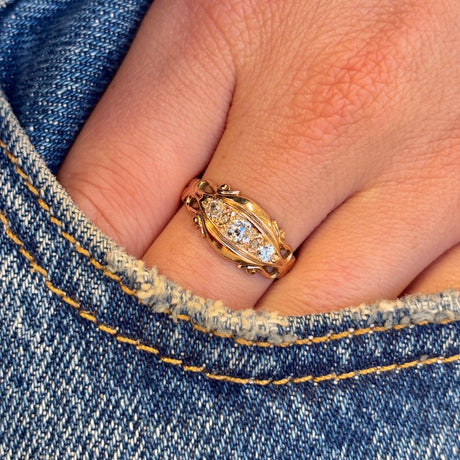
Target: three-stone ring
238,229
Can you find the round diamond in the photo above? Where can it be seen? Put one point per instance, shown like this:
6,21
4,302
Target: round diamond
239,231
266,252
216,210
213,208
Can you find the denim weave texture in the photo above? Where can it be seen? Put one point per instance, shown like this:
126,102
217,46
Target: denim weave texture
92,367
56,59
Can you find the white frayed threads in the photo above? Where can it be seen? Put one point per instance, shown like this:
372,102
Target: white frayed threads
163,295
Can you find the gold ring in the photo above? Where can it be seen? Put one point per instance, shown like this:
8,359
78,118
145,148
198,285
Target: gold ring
238,229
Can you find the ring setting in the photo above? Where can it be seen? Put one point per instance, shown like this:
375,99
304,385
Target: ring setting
238,229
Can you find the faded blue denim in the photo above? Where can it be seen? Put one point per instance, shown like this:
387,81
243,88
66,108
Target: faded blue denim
103,358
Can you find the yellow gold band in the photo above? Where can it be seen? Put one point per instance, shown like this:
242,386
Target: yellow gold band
238,229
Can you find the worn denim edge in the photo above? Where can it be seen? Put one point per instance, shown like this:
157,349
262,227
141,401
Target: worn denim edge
165,296
249,324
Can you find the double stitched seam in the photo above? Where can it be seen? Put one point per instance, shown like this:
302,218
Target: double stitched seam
127,290
202,369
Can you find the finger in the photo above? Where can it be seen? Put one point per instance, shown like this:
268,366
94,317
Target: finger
442,274
285,153
369,249
292,187
157,124
297,141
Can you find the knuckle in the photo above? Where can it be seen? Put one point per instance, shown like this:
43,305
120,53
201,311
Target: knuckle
353,84
359,73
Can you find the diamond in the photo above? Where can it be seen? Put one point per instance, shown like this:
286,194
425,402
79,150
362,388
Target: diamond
239,231
266,252
216,210
213,207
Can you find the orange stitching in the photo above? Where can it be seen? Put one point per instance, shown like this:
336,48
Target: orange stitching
147,348
57,291
202,370
108,329
87,315
173,361
123,339
131,292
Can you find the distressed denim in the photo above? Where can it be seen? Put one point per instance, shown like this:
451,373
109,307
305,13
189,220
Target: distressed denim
101,357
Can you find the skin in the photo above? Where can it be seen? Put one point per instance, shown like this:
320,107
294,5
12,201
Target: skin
340,118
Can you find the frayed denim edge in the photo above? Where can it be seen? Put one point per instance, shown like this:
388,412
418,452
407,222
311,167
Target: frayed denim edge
163,295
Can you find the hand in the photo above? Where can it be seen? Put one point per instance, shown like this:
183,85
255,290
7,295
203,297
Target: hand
339,118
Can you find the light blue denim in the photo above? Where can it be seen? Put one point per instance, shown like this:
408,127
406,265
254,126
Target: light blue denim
101,357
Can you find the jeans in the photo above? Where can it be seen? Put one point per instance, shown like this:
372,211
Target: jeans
101,357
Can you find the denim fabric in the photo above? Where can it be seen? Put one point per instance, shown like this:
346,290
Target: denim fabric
56,58
101,357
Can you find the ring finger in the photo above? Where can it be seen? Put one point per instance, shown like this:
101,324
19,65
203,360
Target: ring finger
284,182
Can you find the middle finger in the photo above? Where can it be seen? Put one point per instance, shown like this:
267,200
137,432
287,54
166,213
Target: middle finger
296,186
294,144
